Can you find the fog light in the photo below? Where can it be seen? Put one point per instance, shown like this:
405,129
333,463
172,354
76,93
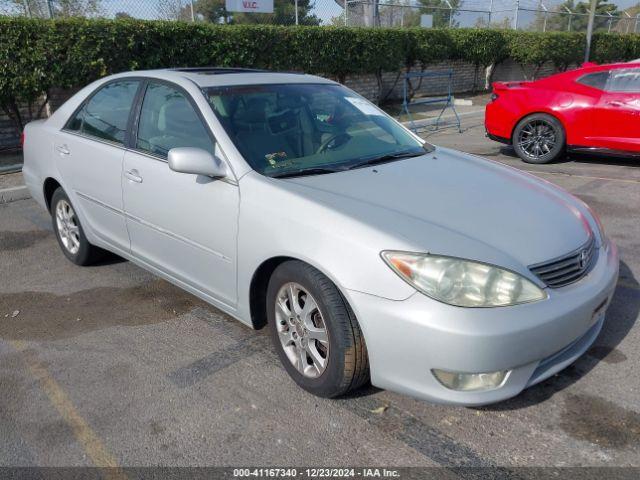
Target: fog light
470,382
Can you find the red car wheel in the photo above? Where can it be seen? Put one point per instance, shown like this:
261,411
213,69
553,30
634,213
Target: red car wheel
539,138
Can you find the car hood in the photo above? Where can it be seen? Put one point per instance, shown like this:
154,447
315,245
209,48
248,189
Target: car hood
451,203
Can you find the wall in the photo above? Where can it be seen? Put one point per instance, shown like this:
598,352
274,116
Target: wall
464,80
9,138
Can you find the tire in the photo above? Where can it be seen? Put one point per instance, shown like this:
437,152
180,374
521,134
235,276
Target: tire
539,138
346,364
69,232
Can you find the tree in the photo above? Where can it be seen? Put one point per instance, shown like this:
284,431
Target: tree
442,15
174,10
60,8
122,16
363,12
628,25
579,22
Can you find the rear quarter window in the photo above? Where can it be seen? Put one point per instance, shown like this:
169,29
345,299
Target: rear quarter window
595,80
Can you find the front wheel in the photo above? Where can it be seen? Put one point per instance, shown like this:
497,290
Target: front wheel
315,332
538,138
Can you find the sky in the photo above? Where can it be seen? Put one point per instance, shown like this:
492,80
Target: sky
326,9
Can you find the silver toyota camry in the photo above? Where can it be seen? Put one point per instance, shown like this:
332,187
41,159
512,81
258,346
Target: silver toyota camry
289,201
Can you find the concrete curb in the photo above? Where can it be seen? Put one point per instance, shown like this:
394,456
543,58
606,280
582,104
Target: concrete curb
13,194
426,122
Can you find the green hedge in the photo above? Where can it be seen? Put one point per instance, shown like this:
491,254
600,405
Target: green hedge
36,55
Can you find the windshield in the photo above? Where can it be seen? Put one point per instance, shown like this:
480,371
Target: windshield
303,129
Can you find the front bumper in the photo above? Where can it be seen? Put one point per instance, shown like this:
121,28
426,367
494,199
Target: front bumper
406,339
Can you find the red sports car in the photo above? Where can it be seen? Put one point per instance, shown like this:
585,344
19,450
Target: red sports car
595,108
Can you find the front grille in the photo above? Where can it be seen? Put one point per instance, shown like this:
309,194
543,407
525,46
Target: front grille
568,268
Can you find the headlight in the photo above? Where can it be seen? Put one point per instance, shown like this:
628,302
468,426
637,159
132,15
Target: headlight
462,282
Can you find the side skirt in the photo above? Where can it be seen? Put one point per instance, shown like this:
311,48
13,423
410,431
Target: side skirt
602,151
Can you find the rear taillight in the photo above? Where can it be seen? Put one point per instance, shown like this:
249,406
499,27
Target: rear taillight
22,139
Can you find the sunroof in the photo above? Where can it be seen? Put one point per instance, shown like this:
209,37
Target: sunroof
219,70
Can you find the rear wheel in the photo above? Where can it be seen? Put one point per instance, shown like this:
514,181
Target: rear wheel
314,331
539,138
69,232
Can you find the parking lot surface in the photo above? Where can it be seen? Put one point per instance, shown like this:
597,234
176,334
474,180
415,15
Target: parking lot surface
110,366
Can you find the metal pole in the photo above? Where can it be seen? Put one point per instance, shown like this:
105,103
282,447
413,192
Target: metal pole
375,17
296,4
27,10
592,16
346,13
490,12
50,8
570,18
450,13
610,22
193,16
515,18
635,26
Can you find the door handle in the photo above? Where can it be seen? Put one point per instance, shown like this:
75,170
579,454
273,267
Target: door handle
133,175
62,149
615,103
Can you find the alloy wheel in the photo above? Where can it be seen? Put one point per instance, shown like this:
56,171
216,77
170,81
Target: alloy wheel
67,225
537,139
302,330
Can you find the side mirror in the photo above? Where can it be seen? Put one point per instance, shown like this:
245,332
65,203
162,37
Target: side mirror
196,161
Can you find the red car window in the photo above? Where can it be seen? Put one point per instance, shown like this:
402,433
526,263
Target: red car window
624,80
596,80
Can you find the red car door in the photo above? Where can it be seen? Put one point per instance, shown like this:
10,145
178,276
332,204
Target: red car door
617,115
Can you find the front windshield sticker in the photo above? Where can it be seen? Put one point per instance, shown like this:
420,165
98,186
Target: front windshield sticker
277,159
364,106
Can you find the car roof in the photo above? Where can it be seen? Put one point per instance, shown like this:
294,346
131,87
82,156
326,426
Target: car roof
222,76
608,66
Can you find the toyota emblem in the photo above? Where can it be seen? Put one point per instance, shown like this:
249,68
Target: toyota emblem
584,257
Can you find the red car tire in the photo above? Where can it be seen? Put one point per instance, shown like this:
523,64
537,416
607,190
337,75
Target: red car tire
539,138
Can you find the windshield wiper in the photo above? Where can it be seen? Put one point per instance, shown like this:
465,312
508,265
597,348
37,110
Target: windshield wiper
389,157
306,171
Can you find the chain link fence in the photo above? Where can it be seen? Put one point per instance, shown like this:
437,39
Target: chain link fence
533,15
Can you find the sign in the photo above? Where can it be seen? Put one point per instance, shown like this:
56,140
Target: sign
249,6
426,21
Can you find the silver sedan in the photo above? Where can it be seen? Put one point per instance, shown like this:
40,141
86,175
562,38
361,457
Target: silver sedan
289,201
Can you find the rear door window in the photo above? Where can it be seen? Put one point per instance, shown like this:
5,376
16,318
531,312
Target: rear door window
106,114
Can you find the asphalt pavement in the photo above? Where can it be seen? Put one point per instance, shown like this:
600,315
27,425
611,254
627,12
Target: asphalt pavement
109,366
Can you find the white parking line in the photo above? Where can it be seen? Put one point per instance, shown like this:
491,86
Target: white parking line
623,180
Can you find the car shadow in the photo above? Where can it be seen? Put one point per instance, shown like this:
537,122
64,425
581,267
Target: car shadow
364,391
508,151
601,160
586,158
108,258
621,316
